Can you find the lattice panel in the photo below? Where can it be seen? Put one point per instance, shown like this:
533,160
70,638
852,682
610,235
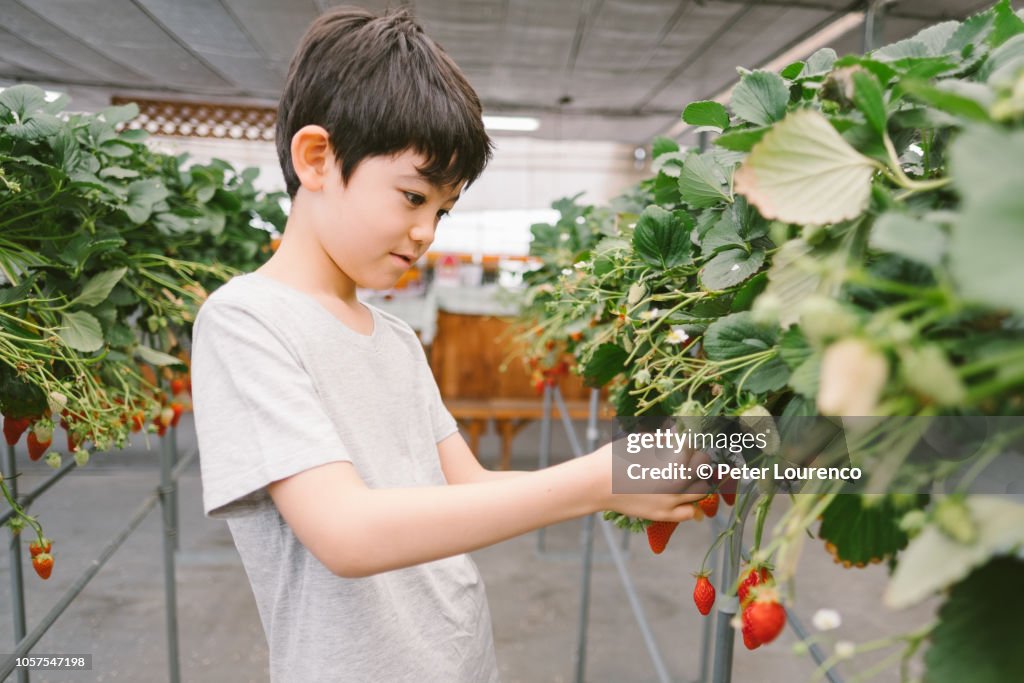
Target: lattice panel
202,120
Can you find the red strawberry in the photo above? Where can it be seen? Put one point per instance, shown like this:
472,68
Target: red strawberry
709,505
14,427
73,441
36,448
754,576
43,564
658,534
704,594
729,498
178,410
35,548
748,638
138,419
765,617
177,386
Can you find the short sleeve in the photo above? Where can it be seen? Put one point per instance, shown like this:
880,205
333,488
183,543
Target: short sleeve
258,415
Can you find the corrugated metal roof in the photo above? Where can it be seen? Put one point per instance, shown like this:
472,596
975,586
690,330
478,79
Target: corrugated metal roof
589,69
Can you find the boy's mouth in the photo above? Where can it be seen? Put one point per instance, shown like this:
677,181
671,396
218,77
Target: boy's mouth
405,260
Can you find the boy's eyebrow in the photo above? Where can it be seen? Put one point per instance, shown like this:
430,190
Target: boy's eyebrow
453,198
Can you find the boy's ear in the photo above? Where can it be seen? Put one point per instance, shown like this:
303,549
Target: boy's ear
312,156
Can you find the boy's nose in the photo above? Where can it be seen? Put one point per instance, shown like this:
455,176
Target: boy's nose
423,232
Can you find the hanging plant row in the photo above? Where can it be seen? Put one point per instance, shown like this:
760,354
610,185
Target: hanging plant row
846,246
107,248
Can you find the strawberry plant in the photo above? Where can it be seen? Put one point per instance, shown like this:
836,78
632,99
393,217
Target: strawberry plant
845,247
107,248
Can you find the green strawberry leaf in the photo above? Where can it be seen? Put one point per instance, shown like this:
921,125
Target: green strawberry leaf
804,172
710,114
730,267
662,238
608,361
862,532
81,331
760,98
977,638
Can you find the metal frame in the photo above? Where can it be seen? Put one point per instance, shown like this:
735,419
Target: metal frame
166,494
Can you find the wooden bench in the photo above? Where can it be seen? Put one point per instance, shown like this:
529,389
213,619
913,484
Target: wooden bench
467,357
510,415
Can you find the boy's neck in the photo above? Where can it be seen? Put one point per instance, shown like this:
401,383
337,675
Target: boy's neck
301,262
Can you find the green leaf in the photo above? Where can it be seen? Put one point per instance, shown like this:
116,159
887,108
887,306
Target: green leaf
661,145
862,532
820,63
81,331
706,113
867,95
142,195
725,234
730,268
121,335
793,70
967,100
987,239
608,361
155,357
741,140
1006,24
737,335
804,172
977,638
662,238
760,98
669,163
911,238
120,114
98,287
36,127
702,183
807,376
22,99
1007,53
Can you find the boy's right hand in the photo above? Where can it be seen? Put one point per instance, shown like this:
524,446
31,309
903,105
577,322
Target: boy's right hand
667,501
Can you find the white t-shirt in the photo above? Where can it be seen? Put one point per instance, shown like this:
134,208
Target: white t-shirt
280,385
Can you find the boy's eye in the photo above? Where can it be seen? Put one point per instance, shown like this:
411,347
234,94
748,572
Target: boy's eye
442,213
415,199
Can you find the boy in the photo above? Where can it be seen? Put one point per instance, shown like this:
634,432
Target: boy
348,490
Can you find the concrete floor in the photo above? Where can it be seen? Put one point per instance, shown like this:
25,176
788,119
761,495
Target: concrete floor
120,618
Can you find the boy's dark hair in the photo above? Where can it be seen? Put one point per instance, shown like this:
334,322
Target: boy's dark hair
379,86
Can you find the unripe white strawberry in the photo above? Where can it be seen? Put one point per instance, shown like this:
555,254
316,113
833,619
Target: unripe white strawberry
853,375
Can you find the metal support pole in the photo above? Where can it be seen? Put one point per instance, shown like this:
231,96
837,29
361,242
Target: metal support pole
588,532
725,634
14,555
172,434
168,486
544,457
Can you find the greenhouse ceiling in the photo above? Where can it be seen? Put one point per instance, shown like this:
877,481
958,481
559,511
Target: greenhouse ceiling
588,69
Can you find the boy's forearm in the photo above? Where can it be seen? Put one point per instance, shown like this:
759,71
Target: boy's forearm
384,529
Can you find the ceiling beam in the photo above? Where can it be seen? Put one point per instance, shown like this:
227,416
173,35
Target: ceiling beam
73,38
891,11
180,42
692,57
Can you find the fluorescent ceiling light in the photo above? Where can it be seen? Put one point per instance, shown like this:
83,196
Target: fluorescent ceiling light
801,50
523,123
